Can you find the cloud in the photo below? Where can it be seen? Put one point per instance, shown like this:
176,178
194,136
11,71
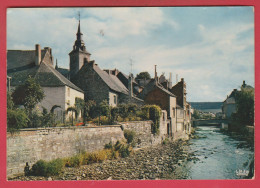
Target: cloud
213,58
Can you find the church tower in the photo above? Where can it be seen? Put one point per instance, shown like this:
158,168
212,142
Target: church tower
78,54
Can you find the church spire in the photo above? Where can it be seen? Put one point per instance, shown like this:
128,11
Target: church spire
79,33
79,43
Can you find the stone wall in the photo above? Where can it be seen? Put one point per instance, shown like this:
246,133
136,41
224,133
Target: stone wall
32,145
143,132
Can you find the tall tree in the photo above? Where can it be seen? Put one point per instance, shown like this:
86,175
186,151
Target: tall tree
28,94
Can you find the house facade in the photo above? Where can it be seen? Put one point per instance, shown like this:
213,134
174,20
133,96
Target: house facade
38,64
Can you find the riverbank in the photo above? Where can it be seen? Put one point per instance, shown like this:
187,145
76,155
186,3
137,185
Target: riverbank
163,161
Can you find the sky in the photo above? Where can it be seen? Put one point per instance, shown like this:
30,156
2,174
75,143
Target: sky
212,48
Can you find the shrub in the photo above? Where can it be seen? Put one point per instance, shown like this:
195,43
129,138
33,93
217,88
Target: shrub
54,167
16,119
152,112
124,150
102,121
129,135
109,146
74,161
39,168
43,168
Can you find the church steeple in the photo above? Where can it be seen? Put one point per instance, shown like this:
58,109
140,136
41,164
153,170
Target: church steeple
79,33
79,43
78,54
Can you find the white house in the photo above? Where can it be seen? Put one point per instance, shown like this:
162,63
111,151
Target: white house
59,91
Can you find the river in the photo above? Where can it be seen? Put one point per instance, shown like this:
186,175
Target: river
220,156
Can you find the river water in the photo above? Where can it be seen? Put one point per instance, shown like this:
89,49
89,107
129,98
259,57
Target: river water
220,156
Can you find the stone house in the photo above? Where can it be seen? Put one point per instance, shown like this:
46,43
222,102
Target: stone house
183,108
229,105
158,95
38,64
98,84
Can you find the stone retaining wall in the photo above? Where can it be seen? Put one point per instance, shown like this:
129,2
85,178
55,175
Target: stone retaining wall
31,145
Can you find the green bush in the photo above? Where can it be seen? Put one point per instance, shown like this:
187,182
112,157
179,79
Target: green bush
123,149
39,168
43,168
54,167
152,112
16,119
129,135
109,146
74,161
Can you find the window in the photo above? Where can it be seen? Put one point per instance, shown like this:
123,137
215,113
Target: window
163,116
173,112
68,92
115,99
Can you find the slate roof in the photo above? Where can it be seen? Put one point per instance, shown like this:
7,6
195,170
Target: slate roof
150,86
165,90
45,74
21,59
111,80
63,71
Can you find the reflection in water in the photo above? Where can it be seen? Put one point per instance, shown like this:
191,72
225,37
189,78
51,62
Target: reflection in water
220,156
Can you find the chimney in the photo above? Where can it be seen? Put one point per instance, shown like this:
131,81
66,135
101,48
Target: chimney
155,74
85,60
38,55
244,83
182,79
170,80
130,85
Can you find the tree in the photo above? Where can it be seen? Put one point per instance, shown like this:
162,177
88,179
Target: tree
245,107
102,109
196,114
143,75
28,94
16,119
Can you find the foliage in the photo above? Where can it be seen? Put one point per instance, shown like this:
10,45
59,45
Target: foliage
124,111
102,120
16,119
129,135
143,75
152,112
245,108
196,114
103,108
90,109
10,103
43,168
114,114
35,120
47,118
79,106
72,109
28,94
74,161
